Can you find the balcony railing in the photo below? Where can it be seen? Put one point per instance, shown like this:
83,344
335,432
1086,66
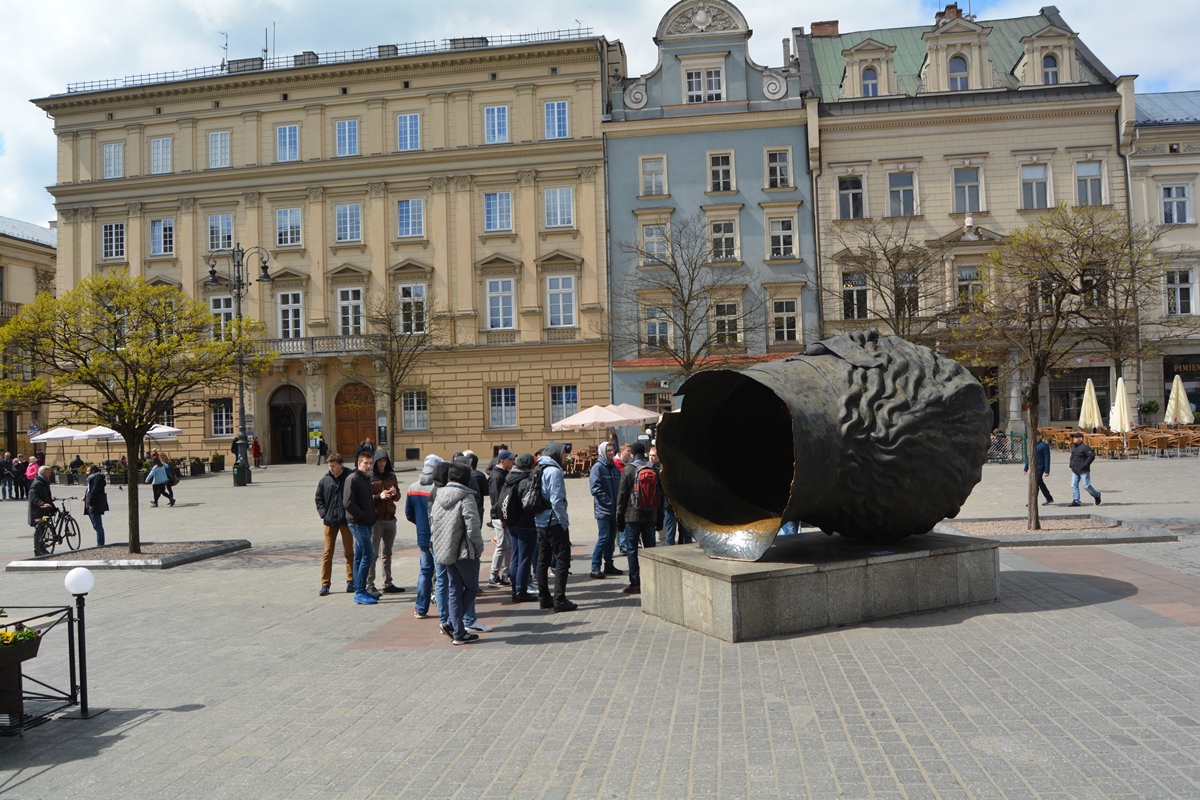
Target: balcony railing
9,309
318,345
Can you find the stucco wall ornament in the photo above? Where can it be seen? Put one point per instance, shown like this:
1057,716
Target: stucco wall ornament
701,19
636,95
774,85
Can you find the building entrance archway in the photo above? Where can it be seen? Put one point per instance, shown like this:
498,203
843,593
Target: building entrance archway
354,410
288,412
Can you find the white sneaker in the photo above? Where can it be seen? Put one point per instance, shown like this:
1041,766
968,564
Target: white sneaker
479,626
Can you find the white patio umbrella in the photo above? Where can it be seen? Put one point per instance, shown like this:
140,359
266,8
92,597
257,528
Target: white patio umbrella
596,418
634,414
106,435
163,431
1089,414
1179,408
60,434
1121,418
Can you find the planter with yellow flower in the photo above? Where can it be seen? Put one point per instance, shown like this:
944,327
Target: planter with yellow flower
16,646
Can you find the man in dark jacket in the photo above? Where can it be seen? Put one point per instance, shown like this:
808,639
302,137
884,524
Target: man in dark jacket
360,516
41,501
1042,463
416,511
524,534
553,531
639,521
604,481
386,489
333,514
1082,457
501,557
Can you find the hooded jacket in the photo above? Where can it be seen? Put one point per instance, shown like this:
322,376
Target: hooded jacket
517,474
455,525
39,495
358,500
1082,456
625,507
553,488
416,504
604,481
95,498
495,484
383,477
329,498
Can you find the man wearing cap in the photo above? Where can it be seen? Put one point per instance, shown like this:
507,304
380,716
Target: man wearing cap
1082,457
501,558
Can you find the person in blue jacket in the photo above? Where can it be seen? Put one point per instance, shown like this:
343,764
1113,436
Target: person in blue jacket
160,478
604,480
416,511
1042,457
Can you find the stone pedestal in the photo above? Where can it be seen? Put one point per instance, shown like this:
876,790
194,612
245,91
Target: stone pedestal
812,581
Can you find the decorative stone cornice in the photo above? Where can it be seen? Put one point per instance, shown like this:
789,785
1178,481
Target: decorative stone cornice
438,183
187,204
85,214
462,182
45,280
251,199
377,188
587,174
134,209
316,194
68,214
527,177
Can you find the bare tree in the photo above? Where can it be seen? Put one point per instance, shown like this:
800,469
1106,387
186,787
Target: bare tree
890,263
687,299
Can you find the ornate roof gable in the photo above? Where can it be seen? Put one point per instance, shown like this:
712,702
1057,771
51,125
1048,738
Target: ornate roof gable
701,18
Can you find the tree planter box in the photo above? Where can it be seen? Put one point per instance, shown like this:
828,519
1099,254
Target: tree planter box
197,469
217,466
12,700
118,479
13,654
142,475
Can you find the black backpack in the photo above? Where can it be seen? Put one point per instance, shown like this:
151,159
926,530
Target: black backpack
509,503
530,487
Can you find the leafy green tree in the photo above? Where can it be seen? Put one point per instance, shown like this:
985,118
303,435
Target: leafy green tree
116,351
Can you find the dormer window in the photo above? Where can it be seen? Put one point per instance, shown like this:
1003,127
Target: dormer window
870,82
958,74
705,86
1049,70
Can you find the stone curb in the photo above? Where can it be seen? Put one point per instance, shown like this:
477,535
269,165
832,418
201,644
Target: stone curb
1142,533
216,548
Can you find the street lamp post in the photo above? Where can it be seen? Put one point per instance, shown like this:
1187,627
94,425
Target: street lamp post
239,286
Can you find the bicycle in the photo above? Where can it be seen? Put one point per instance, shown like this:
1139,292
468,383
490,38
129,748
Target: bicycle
55,528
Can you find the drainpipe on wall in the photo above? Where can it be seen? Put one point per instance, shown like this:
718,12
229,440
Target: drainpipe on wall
1126,115
813,134
612,378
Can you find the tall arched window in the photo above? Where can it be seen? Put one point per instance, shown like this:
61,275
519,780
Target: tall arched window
1049,70
870,87
958,74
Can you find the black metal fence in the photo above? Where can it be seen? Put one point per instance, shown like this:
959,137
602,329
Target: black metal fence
27,700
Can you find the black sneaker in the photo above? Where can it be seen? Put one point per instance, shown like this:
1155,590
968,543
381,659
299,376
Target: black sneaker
446,629
566,605
632,588
324,591
545,602
1049,502
392,589
523,597
494,583
504,582
1097,498
597,575
466,639
613,571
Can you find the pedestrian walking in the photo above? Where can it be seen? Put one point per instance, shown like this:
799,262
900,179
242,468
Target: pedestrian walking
256,451
1042,465
385,490
553,529
639,510
604,481
360,516
160,480
416,511
6,478
1082,457
95,501
458,545
322,449
333,514
502,557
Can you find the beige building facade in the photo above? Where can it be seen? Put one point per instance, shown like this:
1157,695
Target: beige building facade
464,180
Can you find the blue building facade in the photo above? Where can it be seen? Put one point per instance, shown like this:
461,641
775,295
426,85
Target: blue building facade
712,145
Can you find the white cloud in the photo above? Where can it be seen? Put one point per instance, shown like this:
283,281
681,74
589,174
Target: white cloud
47,45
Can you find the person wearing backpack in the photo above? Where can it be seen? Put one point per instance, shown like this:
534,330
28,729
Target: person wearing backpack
416,511
457,540
639,510
553,527
604,481
501,558
522,527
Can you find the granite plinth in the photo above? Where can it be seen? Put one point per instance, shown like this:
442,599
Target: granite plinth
812,581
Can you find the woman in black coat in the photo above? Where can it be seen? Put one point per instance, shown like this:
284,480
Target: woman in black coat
95,501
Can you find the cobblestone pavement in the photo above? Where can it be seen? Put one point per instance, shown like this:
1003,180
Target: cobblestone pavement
231,678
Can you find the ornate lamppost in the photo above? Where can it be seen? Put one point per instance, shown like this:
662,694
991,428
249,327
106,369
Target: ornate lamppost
239,286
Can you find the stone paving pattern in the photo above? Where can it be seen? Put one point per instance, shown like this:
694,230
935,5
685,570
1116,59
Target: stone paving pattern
231,678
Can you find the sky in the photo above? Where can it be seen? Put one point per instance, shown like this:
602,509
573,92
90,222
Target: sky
46,45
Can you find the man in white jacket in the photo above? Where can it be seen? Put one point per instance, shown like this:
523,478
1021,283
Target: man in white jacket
457,538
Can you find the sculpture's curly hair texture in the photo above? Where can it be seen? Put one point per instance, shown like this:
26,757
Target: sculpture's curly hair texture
915,428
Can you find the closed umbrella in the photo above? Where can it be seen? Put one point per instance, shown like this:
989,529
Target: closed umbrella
1179,408
1121,418
1089,414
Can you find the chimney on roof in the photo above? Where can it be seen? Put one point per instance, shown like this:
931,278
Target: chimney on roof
952,12
53,224
826,28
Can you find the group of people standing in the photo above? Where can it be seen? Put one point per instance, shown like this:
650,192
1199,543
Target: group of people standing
15,476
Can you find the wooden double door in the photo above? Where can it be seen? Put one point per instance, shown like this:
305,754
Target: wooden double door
354,409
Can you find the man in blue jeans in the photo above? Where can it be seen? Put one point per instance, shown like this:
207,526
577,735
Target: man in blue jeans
639,510
416,511
1082,457
359,503
604,481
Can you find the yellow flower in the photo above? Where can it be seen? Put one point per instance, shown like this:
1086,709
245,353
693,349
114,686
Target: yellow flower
7,637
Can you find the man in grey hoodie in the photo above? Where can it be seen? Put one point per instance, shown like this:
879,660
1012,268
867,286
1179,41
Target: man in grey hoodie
458,544
553,531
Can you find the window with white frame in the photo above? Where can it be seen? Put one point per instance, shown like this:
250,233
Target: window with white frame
966,190
222,312
500,303
902,194
412,308
220,232
160,155
851,203
724,239
1175,209
969,288
564,401
415,411
1088,183
782,234
657,327
1093,287
287,227
779,170
502,407
289,315
408,132
348,222
222,416
560,295
654,244
346,135
908,297
114,160
1049,70
556,119
654,176
726,330
497,211
350,311
410,217
1035,186
287,143
959,81
559,207
495,124
1179,292
113,240
720,172
784,321
854,295
870,82
218,149
162,237
705,85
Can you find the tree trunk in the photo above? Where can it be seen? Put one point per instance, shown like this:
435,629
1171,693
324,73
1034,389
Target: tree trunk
1031,420
131,483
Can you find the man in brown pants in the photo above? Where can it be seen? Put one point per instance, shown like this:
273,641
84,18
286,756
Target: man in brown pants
333,514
